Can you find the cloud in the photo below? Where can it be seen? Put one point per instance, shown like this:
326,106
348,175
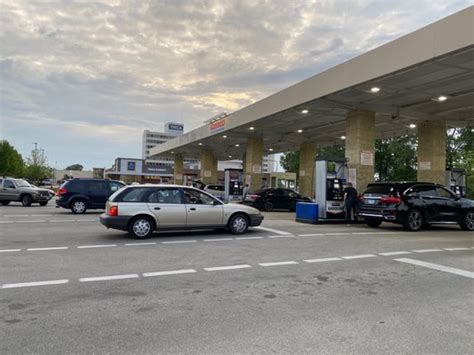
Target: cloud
110,66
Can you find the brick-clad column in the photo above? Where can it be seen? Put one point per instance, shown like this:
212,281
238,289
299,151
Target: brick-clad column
360,147
208,167
253,163
306,170
178,169
432,152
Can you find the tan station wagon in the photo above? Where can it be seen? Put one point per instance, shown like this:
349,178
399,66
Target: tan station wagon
142,209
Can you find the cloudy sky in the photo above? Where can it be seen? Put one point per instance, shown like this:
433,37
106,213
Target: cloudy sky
84,78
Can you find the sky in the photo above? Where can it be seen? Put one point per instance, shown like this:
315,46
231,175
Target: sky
84,79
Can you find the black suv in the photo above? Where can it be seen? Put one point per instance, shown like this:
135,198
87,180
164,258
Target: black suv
274,198
415,205
82,194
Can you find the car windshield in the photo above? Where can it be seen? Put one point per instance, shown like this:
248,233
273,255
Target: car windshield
22,183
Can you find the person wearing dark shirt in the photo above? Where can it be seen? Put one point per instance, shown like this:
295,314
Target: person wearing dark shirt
350,201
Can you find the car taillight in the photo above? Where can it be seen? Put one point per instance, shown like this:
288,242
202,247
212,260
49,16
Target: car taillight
391,200
61,191
251,197
113,211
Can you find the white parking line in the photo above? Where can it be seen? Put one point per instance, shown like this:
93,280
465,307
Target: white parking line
9,250
443,268
364,233
281,236
50,248
321,260
279,263
395,253
276,231
108,278
339,233
426,250
165,273
456,249
16,215
137,244
231,267
248,238
61,220
179,241
96,246
35,221
350,257
218,240
37,283
311,235
6,222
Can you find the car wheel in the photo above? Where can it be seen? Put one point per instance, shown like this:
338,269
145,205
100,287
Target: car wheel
43,203
79,206
268,206
414,221
467,222
5,203
141,227
374,223
238,224
26,200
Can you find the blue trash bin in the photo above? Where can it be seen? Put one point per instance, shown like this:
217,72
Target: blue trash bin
307,212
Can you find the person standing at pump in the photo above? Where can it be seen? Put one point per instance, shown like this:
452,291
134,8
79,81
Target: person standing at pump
245,191
350,201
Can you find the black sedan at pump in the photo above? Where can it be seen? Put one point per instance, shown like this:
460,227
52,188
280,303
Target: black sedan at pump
275,199
415,205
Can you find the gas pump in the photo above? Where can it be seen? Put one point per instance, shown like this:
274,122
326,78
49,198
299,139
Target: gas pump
330,181
233,185
456,181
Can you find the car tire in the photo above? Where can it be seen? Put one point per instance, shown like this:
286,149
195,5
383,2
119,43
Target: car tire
26,200
268,206
467,223
238,224
141,227
374,223
43,203
79,206
5,203
414,220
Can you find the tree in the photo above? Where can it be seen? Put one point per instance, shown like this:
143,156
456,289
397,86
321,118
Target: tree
37,169
460,154
77,167
395,158
290,161
11,162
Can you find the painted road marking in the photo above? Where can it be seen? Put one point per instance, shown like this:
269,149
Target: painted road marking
218,240
50,248
37,283
6,222
248,238
62,220
179,241
108,278
339,233
279,263
165,273
321,260
276,231
350,257
281,236
231,267
137,244
96,246
38,221
311,235
9,250
426,250
456,249
395,253
438,267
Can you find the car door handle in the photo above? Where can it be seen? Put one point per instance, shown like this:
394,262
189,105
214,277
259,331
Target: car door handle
157,208
192,209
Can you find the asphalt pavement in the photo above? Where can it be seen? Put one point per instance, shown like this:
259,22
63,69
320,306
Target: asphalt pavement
68,285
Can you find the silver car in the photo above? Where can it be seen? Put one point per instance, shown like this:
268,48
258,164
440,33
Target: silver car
12,189
142,209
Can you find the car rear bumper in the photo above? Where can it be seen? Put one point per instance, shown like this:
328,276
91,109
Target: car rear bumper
378,215
116,222
256,220
60,202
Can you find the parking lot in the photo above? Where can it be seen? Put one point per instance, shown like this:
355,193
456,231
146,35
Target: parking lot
68,283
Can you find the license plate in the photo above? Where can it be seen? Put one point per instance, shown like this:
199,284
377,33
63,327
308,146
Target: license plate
371,201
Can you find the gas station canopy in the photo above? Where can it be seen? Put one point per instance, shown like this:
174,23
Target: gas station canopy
427,75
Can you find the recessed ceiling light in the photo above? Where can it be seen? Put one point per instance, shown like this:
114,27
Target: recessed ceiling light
343,137
412,125
199,143
374,89
270,149
305,111
237,145
252,128
299,131
224,136
442,98
172,152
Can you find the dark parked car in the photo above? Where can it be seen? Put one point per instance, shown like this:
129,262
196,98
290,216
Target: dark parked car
275,198
415,205
82,194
